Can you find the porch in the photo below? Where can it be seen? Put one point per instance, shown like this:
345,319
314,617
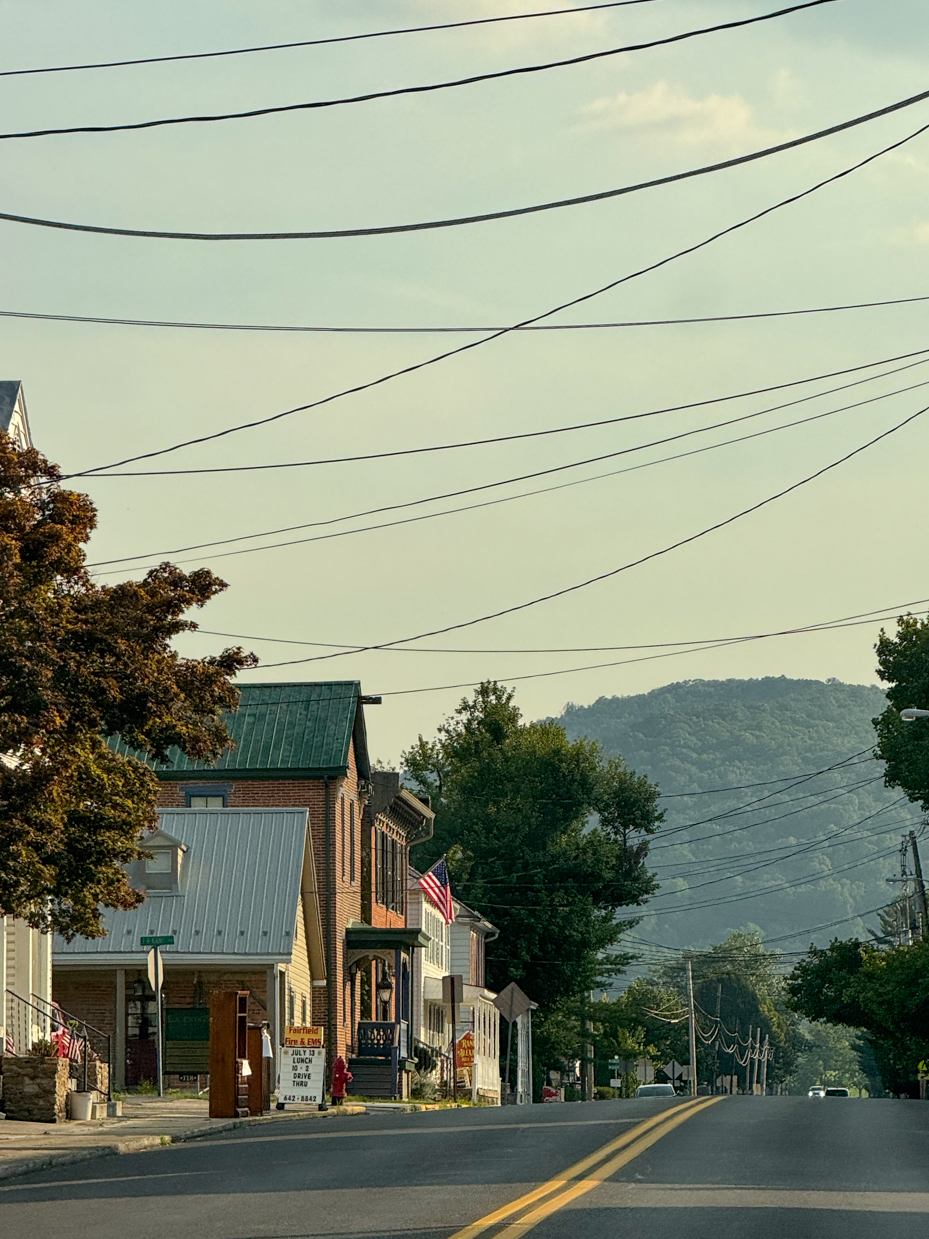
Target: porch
382,1062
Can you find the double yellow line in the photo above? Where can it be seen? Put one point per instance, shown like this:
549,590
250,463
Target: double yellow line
584,1175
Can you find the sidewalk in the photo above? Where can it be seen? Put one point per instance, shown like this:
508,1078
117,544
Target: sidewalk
147,1123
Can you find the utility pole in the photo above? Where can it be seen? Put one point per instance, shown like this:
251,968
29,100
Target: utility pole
764,1067
719,1005
692,1029
748,1058
920,888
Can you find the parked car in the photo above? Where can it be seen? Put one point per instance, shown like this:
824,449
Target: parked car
817,1091
655,1090
837,1092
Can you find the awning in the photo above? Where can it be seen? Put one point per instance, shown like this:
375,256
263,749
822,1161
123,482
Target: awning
370,938
432,992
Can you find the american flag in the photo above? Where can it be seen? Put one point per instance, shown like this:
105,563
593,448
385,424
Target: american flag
9,1046
436,885
68,1041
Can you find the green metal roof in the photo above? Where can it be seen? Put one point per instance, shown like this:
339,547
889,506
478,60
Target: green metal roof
282,731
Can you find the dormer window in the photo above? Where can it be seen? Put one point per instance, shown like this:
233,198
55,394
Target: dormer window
159,873
207,796
207,802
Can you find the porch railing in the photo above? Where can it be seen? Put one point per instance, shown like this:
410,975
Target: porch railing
379,1038
35,1019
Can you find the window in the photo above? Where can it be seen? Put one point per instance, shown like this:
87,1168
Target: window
291,1007
207,795
160,862
342,811
379,892
351,841
303,1010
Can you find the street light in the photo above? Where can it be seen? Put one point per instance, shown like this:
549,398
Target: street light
911,714
385,989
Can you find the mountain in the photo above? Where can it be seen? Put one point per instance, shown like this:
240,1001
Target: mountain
810,844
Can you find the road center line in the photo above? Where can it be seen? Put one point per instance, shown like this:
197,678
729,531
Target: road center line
596,1177
654,1127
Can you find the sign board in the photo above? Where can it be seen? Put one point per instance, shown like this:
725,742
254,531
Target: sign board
645,1071
512,1003
466,1051
309,1037
158,940
303,1075
673,1070
616,1082
622,1066
453,990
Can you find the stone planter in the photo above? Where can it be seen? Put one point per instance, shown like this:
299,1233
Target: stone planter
35,1090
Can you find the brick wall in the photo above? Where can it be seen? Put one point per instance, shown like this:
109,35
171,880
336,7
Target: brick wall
87,994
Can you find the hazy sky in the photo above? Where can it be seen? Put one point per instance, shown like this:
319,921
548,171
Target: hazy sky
848,543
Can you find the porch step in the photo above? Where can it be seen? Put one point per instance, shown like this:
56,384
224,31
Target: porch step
372,1077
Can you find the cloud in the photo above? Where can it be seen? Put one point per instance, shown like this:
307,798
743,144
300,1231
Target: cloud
668,113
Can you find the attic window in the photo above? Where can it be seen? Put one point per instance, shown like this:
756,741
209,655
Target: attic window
160,862
206,802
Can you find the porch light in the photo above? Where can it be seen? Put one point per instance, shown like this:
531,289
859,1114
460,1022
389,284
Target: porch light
385,989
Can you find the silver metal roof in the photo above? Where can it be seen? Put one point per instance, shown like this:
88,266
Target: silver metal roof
238,895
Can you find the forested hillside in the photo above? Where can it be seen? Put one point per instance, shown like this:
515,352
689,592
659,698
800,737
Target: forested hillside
799,850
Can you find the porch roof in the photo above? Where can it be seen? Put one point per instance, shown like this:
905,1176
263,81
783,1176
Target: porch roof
371,938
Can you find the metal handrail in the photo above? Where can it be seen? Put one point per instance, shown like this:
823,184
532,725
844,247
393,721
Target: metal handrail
52,1016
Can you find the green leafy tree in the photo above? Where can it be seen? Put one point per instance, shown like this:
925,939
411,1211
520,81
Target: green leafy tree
546,841
883,993
739,980
903,665
81,661
829,1055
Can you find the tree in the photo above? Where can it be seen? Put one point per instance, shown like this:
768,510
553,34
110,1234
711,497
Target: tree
883,993
545,840
903,664
81,662
738,978
829,1055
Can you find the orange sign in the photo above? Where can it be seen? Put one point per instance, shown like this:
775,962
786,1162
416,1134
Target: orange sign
466,1051
304,1036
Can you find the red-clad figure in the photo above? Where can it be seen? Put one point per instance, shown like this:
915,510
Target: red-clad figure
341,1079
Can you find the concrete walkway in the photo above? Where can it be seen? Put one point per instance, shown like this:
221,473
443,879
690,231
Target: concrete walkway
147,1123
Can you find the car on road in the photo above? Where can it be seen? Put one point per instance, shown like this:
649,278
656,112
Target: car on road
837,1092
655,1090
817,1091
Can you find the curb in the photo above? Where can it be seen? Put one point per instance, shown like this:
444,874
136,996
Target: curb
141,1144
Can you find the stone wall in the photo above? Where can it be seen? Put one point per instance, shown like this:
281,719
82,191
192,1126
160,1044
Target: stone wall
35,1089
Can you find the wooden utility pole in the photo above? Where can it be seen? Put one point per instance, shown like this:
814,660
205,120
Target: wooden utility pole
920,888
692,1029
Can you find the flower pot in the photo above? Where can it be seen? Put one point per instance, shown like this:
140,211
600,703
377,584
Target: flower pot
81,1106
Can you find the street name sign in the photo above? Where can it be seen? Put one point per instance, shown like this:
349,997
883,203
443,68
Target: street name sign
158,940
303,1075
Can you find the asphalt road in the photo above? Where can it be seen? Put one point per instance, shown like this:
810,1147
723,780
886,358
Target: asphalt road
752,1168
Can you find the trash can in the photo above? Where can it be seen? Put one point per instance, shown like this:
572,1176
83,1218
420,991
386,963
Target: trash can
81,1106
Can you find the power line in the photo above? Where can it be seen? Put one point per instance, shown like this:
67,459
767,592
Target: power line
492,440
770,890
343,38
458,221
825,625
400,91
652,555
454,330
565,305
807,847
508,481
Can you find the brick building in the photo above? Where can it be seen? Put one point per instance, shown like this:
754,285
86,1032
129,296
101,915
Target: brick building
298,746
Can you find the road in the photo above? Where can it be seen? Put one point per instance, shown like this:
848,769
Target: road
752,1168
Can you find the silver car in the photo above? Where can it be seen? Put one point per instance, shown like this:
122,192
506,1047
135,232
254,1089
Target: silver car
655,1090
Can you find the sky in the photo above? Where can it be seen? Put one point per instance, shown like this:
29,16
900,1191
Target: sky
847,543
